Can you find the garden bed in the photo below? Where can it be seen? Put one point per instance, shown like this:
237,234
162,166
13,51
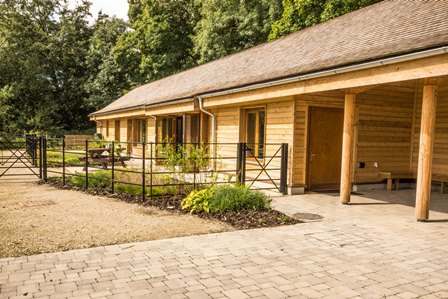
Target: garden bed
245,219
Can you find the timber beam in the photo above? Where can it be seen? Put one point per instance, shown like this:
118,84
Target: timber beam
427,133
347,147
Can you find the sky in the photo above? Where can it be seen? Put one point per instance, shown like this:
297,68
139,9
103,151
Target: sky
117,8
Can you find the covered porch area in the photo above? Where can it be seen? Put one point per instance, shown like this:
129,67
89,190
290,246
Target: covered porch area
378,206
417,133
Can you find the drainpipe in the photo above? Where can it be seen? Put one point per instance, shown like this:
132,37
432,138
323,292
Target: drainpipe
213,125
99,123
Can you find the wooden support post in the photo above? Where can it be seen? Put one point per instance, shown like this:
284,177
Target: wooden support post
347,146
424,173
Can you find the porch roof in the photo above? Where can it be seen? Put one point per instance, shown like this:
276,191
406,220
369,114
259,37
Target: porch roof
385,29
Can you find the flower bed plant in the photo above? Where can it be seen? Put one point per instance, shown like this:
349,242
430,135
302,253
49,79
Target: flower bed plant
226,198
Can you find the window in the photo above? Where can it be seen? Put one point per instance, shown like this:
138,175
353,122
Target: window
255,130
195,128
117,130
107,128
139,130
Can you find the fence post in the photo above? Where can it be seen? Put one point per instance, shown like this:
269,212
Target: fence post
63,161
44,157
143,173
40,157
284,169
150,165
87,164
194,167
241,163
34,150
113,167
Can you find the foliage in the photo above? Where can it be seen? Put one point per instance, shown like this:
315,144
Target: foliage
98,179
138,190
228,26
98,143
159,43
103,179
226,198
236,198
105,81
56,67
198,201
54,159
186,157
44,65
300,14
50,58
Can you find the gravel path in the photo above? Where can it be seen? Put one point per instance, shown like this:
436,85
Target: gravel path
37,218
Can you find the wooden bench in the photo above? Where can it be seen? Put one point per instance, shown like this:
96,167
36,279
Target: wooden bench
442,179
106,160
396,176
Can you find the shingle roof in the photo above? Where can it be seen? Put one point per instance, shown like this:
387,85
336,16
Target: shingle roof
384,29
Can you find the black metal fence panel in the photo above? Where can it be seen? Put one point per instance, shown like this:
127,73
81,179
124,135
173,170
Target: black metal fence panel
20,156
152,169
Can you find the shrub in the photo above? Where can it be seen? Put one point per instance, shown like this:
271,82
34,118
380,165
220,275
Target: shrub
54,159
236,198
198,201
224,199
138,190
97,179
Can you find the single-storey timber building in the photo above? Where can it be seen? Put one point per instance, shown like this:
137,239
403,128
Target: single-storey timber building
357,96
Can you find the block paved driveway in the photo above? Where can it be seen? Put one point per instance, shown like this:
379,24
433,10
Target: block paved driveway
371,249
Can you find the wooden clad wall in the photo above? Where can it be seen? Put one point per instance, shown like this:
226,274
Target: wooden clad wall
383,129
230,129
150,129
440,158
382,132
279,129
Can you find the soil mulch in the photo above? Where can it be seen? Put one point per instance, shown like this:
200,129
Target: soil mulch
246,219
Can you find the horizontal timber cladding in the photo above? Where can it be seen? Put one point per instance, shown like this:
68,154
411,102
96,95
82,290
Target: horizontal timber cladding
383,129
230,128
440,157
382,132
150,129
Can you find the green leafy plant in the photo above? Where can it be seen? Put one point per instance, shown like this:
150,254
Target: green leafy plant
97,143
236,198
97,179
138,190
198,201
119,148
225,198
54,159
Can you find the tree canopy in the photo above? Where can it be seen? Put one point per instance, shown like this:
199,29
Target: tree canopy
58,64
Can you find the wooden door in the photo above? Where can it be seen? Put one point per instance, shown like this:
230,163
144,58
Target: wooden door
117,131
325,148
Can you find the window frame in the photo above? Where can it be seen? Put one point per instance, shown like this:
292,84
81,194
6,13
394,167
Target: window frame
256,144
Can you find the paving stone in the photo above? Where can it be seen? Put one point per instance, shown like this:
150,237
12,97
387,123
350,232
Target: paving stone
370,250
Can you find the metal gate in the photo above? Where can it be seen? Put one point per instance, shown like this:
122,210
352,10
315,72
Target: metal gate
21,157
270,168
